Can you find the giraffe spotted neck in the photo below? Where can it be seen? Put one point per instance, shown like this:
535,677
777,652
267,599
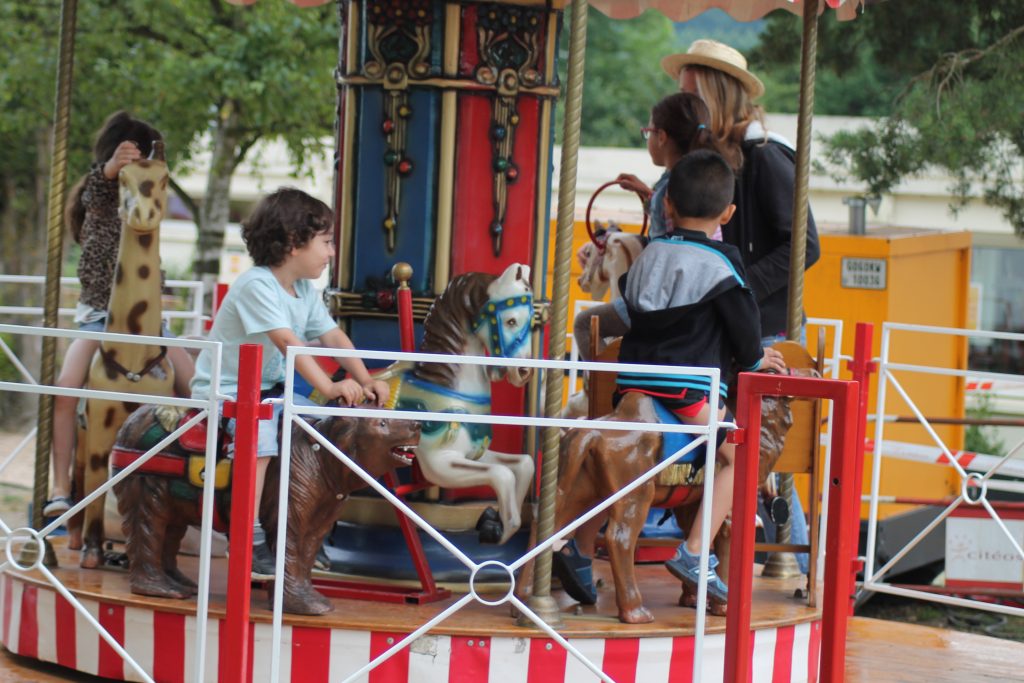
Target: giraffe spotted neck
135,297
141,369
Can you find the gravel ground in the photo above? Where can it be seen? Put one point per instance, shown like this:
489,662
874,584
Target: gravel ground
16,479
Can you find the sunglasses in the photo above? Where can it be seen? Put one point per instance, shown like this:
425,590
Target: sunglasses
646,131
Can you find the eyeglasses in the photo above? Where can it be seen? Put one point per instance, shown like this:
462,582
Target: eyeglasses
646,131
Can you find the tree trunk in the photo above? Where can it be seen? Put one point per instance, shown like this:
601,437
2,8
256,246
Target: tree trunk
22,223
214,212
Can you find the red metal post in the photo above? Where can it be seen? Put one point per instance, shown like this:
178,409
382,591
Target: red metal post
401,273
840,546
219,292
741,556
861,367
233,663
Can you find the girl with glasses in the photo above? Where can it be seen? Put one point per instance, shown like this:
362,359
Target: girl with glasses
679,124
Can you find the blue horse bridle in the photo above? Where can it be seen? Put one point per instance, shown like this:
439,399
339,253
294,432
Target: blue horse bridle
500,342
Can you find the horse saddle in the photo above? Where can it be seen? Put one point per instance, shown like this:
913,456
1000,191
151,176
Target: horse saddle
184,459
688,470
411,393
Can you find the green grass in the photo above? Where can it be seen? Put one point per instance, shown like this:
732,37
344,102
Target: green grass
14,502
911,611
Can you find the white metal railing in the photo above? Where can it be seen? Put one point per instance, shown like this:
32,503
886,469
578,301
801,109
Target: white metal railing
293,413
832,365
12,539
193,315
17,537
973,485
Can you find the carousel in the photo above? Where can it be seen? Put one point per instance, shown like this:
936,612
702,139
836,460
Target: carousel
440,518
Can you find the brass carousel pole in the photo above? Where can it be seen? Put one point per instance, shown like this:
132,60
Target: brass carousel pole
54,249
541,601
784,564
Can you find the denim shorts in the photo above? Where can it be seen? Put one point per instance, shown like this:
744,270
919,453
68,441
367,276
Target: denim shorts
267,442
620,308
101,326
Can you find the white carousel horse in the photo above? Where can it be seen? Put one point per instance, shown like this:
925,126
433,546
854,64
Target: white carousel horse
601,272
477,314
603,268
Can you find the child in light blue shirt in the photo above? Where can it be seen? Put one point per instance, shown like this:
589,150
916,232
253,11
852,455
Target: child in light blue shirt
290,239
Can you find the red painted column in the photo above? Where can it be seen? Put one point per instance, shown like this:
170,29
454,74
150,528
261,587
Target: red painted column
741,557
861,367
233,662
219,292
401,273
841,545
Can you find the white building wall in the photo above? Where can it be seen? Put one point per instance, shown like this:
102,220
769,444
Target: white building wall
918,202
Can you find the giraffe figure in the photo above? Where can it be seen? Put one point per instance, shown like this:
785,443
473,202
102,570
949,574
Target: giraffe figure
134,308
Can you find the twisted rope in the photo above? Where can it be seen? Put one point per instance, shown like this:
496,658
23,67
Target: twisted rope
560,292
54,250
798,249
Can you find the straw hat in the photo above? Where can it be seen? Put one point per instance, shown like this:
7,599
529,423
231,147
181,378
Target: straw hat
715,55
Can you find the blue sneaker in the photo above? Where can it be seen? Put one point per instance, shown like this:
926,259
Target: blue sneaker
686,568
576,573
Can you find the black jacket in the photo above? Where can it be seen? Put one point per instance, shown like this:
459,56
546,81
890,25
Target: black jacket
762,227
688,305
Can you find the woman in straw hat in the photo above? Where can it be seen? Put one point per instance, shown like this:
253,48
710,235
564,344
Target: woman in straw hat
762,225
761,228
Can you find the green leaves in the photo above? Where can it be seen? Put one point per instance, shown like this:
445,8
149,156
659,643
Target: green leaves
174,63
946,79
622,77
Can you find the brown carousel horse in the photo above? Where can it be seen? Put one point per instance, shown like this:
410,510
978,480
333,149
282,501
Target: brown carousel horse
596,463
161,500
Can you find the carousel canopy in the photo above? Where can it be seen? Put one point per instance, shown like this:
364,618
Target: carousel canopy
300,3
676,10
741,10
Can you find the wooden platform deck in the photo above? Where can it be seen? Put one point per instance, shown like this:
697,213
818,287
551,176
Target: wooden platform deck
774,605
877,650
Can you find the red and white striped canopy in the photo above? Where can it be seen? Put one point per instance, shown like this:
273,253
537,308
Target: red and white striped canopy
741,10
680,10
300,3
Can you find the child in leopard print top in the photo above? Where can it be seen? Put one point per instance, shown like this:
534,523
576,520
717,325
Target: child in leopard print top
92,217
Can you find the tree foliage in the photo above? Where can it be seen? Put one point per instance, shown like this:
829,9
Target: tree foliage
214,78
202,72
947,79
622,76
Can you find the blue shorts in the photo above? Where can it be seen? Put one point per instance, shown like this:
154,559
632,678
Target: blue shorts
620,308
267,441
101,326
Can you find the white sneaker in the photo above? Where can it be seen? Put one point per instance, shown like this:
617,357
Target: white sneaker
57,506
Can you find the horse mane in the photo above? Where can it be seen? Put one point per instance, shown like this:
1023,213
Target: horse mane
446,324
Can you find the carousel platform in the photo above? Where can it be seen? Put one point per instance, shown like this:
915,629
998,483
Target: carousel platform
475,645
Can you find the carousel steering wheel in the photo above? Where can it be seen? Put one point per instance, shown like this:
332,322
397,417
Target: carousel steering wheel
599,242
